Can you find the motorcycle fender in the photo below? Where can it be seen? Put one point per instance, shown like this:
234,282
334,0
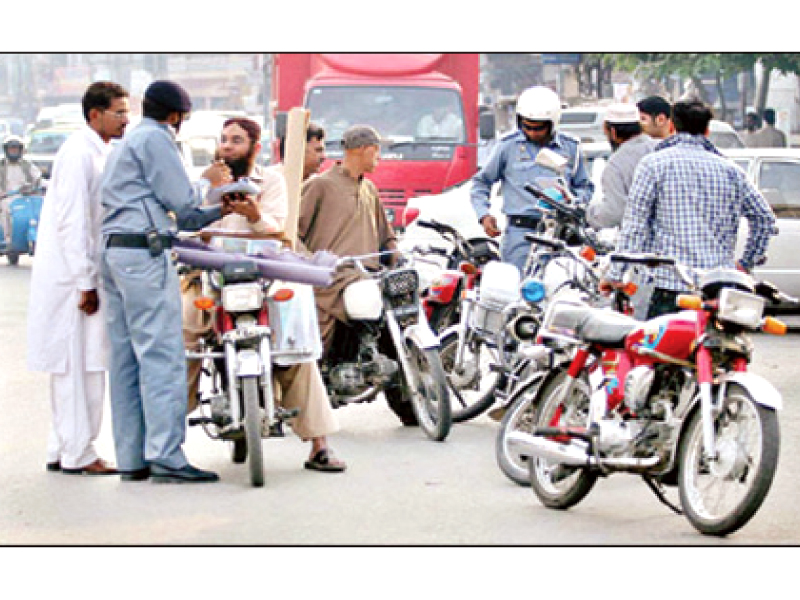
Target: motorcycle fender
761,390
456,328
248,363
422,335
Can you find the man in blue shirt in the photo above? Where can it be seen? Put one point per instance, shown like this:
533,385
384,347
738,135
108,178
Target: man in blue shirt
147,197
686,201
513,162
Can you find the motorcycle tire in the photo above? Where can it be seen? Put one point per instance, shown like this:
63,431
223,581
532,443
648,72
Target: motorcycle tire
556,485
520,416
471,392
720,497
427,391
252,430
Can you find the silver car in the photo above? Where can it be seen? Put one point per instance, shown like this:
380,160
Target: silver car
776,173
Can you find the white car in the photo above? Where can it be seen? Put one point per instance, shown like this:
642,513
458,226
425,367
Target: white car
776,173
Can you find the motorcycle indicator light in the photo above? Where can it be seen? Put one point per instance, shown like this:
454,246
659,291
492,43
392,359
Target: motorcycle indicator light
588,253
533,290
630,288
204,303
467,268
283,295
689,302
773,326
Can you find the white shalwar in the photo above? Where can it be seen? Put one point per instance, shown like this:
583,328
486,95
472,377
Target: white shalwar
62,340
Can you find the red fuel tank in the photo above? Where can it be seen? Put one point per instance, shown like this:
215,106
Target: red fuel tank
674,335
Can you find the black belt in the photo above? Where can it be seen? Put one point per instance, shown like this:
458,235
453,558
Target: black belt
135,240
525,221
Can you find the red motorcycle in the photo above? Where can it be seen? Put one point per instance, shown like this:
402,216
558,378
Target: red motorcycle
670,399
441,300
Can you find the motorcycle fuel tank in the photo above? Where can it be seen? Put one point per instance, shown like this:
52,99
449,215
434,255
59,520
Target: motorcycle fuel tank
673,335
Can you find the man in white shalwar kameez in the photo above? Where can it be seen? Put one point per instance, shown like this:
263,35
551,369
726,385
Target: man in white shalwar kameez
66,328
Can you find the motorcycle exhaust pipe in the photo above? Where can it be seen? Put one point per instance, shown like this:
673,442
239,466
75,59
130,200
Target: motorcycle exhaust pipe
572,454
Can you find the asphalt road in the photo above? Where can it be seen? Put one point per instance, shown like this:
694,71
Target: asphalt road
399,490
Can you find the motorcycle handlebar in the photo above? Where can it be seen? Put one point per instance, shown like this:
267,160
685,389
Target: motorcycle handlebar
568,211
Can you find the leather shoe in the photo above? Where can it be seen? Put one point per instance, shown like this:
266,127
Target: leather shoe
98,467
135,475
186,474
53,467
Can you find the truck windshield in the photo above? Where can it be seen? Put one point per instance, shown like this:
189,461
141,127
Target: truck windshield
416,123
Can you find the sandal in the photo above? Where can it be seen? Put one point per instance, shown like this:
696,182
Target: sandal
324,460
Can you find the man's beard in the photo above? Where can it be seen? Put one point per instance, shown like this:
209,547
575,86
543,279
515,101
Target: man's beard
241,167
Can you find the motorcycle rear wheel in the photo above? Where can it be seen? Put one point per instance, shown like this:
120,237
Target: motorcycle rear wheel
252,430
719,497
477,383
556,485
431,402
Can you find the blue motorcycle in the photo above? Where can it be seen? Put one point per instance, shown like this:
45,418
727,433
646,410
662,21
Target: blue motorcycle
24,210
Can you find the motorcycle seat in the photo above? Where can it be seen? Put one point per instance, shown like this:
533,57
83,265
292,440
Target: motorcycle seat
606,328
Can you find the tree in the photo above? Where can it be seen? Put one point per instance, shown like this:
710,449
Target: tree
693,65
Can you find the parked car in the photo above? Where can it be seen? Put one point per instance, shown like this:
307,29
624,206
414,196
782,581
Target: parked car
776,173
43,144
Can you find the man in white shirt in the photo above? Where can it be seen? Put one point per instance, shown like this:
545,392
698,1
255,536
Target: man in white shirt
66,328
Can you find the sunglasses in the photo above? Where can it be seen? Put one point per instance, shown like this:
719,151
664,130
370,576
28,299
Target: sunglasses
535,126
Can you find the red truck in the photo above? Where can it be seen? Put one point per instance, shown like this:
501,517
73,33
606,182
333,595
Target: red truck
425,106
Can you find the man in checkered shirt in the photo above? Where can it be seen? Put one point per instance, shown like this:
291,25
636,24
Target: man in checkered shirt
686,201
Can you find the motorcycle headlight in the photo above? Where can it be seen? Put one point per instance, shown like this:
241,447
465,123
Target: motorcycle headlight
242,297
741,308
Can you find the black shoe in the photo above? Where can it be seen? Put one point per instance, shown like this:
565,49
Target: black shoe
53,467
136,475
186,474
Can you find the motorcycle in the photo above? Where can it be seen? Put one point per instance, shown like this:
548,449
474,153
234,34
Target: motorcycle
483,359
670,399
254,328
25,210
462,271
387,346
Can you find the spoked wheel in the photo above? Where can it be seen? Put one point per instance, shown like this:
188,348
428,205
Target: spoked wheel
520,416
252,430
473,384
427,387
721,495
557,485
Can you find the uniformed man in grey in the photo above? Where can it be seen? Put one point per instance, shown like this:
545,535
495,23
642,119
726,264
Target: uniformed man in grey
513,163
145,189
624,132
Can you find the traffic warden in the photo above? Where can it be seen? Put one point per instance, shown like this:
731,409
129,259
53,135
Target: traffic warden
513,162
147,197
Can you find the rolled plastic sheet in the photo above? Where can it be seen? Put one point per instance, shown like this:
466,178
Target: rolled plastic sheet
316,270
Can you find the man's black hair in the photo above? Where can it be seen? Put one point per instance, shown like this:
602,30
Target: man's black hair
626,131
691,116
769,116
313,132
654,106
100,95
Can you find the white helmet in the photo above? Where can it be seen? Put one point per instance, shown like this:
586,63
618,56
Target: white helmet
539,104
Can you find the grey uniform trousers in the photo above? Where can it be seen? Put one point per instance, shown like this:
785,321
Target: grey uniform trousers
147,366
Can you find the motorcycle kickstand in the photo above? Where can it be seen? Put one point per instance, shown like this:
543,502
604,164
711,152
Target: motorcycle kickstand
658,490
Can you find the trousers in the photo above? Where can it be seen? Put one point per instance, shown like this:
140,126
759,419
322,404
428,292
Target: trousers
147,375
76,400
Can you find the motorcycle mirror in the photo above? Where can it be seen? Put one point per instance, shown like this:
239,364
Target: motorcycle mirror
551,160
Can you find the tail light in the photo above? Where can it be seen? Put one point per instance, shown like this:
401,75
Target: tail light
409,216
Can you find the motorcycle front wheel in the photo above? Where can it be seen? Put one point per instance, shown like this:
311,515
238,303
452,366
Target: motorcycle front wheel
427,390
520,416
720,496
472,386
252,430
557,485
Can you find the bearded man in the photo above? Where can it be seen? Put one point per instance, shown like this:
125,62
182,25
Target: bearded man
298,386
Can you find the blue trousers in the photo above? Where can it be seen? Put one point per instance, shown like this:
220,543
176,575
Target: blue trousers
514,248
147,366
